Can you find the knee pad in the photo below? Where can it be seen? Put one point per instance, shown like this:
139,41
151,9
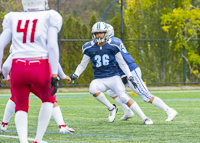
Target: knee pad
93,89
124,98
111,93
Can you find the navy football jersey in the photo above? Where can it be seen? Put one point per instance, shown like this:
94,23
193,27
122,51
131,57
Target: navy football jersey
127,58
103,58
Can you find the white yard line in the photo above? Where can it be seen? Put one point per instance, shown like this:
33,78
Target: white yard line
16,137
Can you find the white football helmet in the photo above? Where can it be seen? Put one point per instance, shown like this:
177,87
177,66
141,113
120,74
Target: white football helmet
100,27
34,5
110,31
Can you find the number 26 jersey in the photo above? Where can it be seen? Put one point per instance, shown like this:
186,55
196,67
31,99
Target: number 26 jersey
30,30
103,58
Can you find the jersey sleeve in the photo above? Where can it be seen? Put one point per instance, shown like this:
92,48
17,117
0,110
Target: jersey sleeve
56,20
7,22
116,44
85,47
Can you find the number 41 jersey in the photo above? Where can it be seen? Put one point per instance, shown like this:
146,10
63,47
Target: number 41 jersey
103,58
30,30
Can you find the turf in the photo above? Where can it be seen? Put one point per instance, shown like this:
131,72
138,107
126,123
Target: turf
89,119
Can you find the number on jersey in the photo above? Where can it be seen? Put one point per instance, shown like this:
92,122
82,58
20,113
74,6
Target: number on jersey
19,29
104,59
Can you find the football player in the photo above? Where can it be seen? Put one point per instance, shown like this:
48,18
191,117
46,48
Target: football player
142,90
34,38
10,106
103,52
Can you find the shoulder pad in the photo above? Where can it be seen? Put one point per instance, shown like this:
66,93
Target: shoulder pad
115,41
7,21
87,45
55,20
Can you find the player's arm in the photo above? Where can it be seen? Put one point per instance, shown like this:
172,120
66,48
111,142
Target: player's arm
5,38
6,67
62,74
125,68
81,67
52,38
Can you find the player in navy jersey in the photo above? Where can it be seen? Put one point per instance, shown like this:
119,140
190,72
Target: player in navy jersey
104,52
142,90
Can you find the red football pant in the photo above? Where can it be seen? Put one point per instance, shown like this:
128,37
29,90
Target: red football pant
26,73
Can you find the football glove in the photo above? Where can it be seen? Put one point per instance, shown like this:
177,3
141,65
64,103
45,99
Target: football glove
124,79
73,77
131,79
1,76
54,84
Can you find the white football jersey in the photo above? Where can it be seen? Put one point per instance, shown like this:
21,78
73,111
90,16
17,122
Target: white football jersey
29,31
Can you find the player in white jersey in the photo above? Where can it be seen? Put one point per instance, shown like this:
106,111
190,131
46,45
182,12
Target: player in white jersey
142,90
34,37
103,52
10,106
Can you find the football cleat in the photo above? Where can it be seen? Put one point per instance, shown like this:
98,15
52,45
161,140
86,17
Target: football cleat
4,126
148,121
113,111
65,129
171,114
128,113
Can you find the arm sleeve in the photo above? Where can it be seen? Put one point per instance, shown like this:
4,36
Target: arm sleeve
5,38
7,66
53,49
122,64
61,72
82,66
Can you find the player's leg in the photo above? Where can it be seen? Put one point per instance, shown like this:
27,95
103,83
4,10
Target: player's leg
96,89
57,116
41,81
21,90
56,113
143,92
9,111
118,87
128,113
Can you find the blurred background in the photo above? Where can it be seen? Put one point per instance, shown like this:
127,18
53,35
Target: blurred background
162,36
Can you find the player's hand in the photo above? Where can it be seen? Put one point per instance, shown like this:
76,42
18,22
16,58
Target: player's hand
68,79
53,84
1,76
131,79
73,77
124,79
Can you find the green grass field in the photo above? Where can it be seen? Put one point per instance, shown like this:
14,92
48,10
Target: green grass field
89,118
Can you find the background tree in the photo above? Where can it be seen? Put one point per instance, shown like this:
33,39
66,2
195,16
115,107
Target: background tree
157,59
184,21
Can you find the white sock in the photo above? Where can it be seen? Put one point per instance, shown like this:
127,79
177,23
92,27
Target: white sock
21,121
102,98
159,103
43,120
9,111
123,105
57,115
137,110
